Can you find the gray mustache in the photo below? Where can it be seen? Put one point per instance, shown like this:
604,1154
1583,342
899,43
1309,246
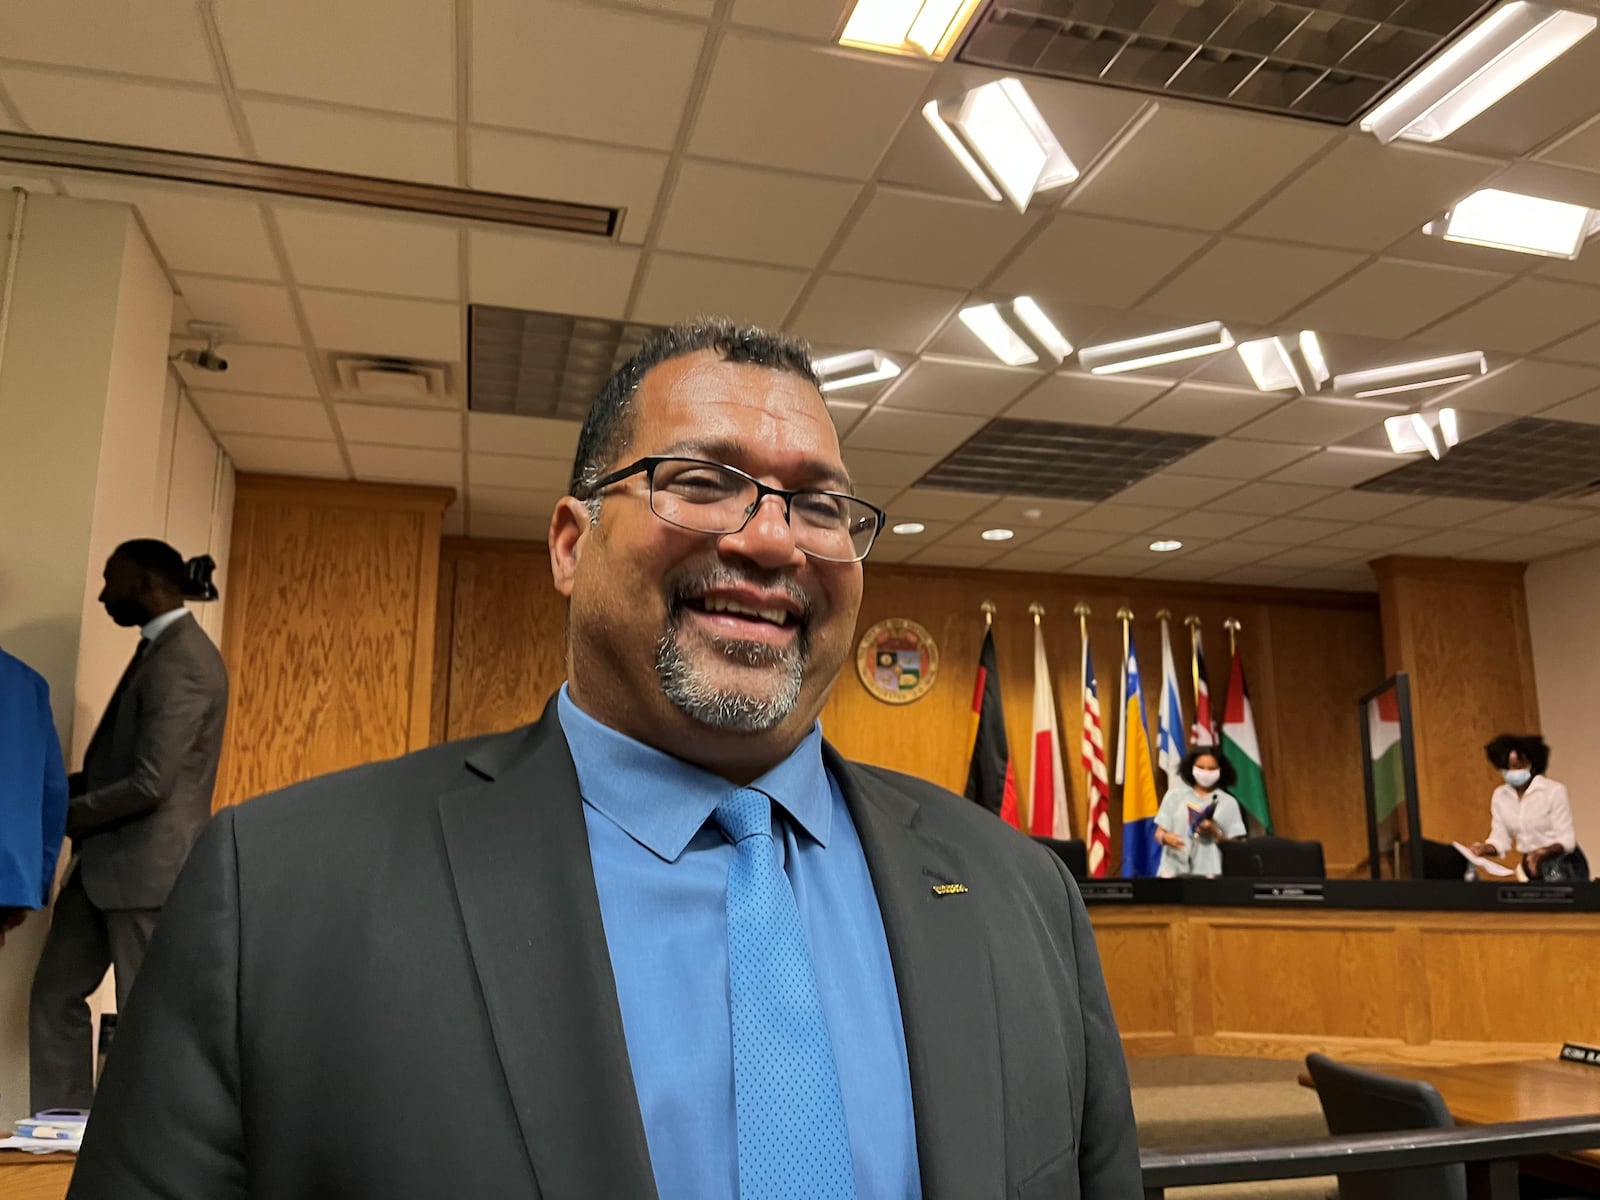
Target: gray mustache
700,582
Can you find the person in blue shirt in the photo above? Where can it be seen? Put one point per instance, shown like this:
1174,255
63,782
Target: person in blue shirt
1197,814
666,942
33,793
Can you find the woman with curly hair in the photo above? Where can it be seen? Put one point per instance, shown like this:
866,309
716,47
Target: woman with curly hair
1196,814
1529,811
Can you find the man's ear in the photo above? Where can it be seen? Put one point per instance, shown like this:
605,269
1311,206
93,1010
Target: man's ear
569,529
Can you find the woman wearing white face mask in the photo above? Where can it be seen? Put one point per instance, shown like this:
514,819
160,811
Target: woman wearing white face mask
1196,814
1528,812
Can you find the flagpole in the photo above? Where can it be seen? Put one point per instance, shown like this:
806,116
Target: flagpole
988,613
1037,610
1125,615
1081,611
1194,660
1232,626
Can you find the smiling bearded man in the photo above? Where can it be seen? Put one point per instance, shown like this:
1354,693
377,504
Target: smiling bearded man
665,942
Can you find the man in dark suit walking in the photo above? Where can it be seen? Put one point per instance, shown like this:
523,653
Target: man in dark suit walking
664,942
133,811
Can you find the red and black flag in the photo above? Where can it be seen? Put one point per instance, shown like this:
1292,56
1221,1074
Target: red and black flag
991,780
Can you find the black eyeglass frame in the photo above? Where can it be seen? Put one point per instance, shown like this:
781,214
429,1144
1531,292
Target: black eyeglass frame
647,466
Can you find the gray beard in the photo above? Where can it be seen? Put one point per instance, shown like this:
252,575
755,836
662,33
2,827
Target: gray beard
735,711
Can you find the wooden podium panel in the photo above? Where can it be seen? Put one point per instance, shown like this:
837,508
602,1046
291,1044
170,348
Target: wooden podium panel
1424,987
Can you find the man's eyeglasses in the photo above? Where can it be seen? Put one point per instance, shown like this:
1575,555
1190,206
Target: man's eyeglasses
708,497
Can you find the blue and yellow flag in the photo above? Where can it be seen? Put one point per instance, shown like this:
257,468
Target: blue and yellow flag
1140,853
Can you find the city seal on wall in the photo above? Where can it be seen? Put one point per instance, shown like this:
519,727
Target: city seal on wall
897,661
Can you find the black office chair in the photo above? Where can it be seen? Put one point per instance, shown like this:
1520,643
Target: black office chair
1273,858
1072,851
1357,1101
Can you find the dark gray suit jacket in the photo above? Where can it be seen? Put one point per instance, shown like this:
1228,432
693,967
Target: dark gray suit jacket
394,983
149,771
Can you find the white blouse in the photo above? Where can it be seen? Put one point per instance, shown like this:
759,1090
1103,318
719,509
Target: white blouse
1541,817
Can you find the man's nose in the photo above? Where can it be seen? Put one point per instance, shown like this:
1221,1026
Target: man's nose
767,537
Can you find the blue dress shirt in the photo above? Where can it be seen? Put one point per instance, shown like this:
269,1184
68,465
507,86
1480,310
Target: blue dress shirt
662,875
33,787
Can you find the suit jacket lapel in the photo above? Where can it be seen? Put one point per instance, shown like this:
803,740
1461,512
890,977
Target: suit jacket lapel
519,853
939,947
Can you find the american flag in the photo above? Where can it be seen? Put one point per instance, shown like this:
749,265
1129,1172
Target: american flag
1094,770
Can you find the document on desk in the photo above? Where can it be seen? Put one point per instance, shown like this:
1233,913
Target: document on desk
41,1145
1487,865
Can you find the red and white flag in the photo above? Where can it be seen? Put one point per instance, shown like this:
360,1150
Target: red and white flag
1205,722
1094,773
1050,817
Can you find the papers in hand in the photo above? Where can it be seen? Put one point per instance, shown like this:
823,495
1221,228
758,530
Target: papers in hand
1487,865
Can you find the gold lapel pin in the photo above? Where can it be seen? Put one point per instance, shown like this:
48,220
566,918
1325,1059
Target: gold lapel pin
949,889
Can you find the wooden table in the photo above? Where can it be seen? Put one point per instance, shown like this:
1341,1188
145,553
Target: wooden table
35,1176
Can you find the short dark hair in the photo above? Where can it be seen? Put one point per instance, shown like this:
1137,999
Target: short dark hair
1186,766
1530,745
609,425
187,580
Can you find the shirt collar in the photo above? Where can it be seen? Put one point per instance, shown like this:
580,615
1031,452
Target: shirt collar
662,802
156,626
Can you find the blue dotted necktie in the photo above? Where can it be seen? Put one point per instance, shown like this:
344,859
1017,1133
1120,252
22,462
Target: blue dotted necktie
792,1139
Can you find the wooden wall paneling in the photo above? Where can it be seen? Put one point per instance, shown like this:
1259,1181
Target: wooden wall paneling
1524,982
329,645
1460,630
443,645
1146,962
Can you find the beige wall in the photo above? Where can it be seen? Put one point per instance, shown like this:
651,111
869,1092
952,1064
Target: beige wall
1563,606
97,444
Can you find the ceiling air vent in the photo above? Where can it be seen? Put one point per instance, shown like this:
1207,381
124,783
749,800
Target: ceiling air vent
393,380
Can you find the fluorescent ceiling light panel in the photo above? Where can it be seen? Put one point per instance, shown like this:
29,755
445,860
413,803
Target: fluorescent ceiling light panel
1194,341
997,535
854,369
1270,365
1435,432
1166,545
1487,63
921,28
991,328
1042,327
1006,144
1512,221
1412,376
1316,362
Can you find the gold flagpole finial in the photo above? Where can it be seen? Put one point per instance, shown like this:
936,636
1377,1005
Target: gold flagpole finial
1164,614
1233,627
1192,622
1080,609
1037,610
1124,614
988,613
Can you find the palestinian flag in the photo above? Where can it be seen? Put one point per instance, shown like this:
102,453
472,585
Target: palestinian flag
1239,743
991,779
1388,765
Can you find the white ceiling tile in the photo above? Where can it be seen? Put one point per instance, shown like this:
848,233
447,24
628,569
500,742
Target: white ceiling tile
958,555
1580,148
1321,422
162,40
910,542
1370,539
677,287
545,475
842,310
196,230
556,68
1116,517
1226,161
521,164
911,432
940,504
1269,499
929,239
1585,347
32,184
1358,506
1138,546
882,468
1521,387
750,113
951,386
510,528
1293,531
549,274
1522,317
1091,260
816,19
397,464
1076,398
284,456
537,437
1031,560
846,415
1584,269
1446,543
1446,511
1260,575
1392,299
1582,408
1337,468
1202,409
358,251
1209,524
1583,527
264,370
736,212
1033,512
1365,196
1526,518
387,325
1241,279
1182,567
264,415
971,534
385,425
1071,541
687,8
1165,489
97,109
258,312
1524,548
513,502
1111,566
1234,553
333,139
1235,458
382,54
